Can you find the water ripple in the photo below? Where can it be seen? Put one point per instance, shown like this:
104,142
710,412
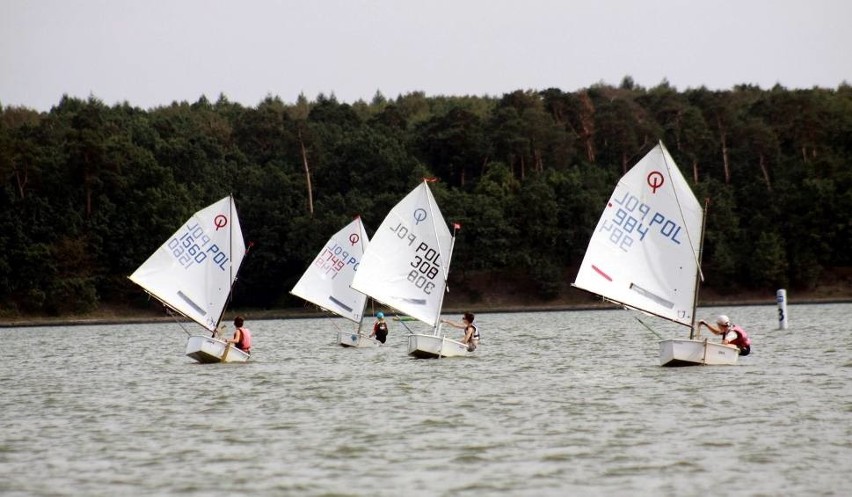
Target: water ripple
557,404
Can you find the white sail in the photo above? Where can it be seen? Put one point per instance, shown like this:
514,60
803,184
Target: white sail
645,250
193,271
327,281
407,262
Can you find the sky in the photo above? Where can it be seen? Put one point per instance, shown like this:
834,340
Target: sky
151,53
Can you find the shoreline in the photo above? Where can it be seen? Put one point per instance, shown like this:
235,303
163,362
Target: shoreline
108,318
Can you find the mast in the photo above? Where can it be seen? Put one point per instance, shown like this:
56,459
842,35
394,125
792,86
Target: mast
446,282
698,276
361,235
446,268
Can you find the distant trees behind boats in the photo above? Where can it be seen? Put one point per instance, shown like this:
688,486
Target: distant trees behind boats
90,190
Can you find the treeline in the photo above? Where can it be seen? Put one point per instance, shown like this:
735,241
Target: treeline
91,190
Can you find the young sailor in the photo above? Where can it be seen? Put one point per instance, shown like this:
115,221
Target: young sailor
471,330
380,328
731,334
242,336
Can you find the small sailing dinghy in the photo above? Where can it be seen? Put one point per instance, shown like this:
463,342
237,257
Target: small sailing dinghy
327,281
406,268
193,273
645,254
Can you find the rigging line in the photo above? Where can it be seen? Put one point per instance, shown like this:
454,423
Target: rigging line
680,210
648,327
401,321
329,316
172,314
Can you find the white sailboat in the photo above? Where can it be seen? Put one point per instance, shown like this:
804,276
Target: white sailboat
193,273
645,254
406,267
327,281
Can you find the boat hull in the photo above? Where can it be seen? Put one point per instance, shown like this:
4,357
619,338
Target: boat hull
683,352
207,350
356,340
435,346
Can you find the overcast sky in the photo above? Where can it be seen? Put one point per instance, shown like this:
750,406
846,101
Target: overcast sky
153,52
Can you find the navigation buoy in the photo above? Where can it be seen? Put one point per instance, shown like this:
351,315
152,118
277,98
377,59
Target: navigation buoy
781,297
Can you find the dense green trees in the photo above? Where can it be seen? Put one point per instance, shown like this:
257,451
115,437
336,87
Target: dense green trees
89,190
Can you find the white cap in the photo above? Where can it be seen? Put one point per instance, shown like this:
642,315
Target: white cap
722,319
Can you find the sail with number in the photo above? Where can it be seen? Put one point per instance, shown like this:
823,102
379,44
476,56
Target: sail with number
327,281
645,250
194,270
408,260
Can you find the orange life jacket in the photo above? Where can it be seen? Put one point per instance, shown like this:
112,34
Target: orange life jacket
245,339
742,341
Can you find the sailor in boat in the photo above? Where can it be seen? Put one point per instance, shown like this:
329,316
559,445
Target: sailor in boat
380,328
731,334
471,330
242,336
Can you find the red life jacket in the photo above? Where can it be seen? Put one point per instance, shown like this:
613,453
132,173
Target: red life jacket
245,339
742,341
380,327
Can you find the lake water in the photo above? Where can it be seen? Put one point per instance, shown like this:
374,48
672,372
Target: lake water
555,404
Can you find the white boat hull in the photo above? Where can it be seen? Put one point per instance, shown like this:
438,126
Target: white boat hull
208,350
356,340
435,346
683,352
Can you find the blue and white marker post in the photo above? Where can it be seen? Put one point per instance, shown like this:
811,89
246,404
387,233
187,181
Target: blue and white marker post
781,297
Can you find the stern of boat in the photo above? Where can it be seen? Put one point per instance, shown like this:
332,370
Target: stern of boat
356,340
434,346
682,352
208,350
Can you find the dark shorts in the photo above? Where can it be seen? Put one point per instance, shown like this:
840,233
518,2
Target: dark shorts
745,350
381,336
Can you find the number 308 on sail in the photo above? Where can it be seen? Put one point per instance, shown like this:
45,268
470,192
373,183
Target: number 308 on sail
425,268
